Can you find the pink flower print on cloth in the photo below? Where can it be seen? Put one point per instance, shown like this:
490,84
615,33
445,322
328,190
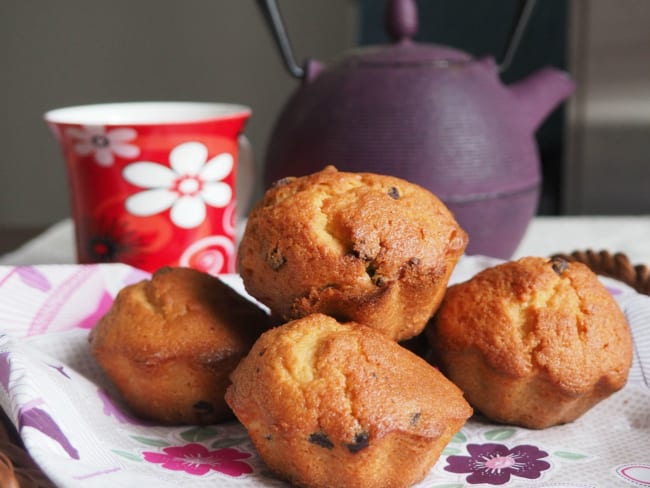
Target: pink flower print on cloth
495,463
197,460
104,144
186,187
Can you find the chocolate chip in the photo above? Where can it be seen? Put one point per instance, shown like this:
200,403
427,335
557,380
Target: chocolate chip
268,437
414,261
203,406
393,192
378,280
415,418
359,252
275,259
361,441
321,439
559,265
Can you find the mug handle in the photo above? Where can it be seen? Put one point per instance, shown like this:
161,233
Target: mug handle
246,178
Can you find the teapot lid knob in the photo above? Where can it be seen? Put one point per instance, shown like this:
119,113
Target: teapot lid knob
401,19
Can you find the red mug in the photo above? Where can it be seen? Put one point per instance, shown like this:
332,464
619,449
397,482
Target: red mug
153,184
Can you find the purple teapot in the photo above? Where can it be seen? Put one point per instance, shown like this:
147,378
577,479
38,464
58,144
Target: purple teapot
426,113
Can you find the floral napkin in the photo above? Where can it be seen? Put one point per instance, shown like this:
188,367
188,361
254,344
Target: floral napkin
74,426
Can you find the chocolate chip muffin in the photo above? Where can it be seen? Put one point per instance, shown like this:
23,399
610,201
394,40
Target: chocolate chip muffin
359,247
169,344
340,404
533,342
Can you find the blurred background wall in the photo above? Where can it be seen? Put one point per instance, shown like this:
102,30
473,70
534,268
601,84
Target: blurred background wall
59,53
595,149
607,161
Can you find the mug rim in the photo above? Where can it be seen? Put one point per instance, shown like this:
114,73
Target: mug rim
146,113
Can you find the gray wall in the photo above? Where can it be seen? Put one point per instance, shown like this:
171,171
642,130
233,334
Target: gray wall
608,150
66,52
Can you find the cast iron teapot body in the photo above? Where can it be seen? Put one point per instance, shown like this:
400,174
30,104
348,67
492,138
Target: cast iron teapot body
429,114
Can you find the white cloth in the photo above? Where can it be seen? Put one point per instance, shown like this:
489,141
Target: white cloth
82,436
79,433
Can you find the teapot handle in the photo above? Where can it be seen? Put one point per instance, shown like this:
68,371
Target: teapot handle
524,12
273,17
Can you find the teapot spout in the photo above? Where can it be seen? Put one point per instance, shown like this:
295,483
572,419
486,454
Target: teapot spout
540,93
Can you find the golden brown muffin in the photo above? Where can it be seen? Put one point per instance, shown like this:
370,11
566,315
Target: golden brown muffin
533,342
357,246
330,404
169,344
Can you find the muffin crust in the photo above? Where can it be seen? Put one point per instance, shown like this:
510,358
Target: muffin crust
169,344
533,342
332,404
361,247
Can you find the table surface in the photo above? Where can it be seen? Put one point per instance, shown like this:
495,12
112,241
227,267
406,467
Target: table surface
545,236
13,237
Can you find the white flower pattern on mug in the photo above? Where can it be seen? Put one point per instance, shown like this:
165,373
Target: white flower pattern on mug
186,187
105,144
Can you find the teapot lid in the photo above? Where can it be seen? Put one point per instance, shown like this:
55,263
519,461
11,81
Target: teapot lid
401,24
409,53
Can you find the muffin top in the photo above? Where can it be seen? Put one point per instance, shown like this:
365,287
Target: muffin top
355,234
179,312
341,384
538,316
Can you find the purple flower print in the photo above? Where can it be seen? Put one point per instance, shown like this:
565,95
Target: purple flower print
495,463
614,291
40,420
111,410
33,278
198,460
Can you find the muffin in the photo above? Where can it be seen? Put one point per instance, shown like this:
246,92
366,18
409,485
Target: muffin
533,342
169,344
359,247
332,404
